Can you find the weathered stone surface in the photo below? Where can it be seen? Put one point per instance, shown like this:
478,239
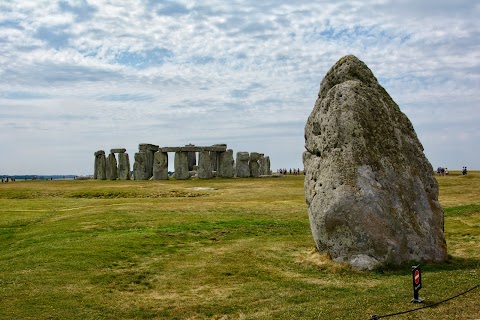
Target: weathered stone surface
205,165
111,167
267,166
150,150
99,171
140,170
160,166
226,164
118,150
241,165
99,152
254,165
181,166
371,194
123,166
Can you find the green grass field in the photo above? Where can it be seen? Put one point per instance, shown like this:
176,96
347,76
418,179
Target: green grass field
163,250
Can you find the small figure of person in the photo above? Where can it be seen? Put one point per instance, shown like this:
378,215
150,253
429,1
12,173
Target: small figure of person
446,171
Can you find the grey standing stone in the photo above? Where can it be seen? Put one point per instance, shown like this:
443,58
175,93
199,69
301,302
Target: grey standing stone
192,157
123,166
268,169
204,165
140,170
100,166
150,150
241,165
371,194
254,165
111,167
160,166
226,164
118,150
181,166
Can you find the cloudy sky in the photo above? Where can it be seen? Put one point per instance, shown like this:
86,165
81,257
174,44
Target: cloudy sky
82,76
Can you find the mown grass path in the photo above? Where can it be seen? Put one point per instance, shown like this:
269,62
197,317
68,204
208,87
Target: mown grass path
164,250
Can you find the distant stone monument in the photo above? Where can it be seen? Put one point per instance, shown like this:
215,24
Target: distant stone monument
149,150
123,166
99,171
226,164
371,194
205,165
254,165
181,166
192,157
160,166
140,166
242,169
111,167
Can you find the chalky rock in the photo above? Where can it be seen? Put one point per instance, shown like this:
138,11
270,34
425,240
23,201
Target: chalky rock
241,165
254,165
226,164
181,166
205,165
160,166
371,194
123,166
140,170
111,167
99,171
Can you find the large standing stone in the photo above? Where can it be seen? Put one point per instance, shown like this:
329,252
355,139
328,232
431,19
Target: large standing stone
226,164
111,167
254,165
181,166
140,170
150,150
99,171
371,194
123,166
204,165
241,165
160,166
267,166
192,157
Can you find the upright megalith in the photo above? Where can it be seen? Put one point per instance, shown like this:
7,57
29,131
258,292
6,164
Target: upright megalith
160,166
99,171
140,166
123,166
254,165
111,167
241,165
181,165
205,165
149,150
226,164
371,194
192,157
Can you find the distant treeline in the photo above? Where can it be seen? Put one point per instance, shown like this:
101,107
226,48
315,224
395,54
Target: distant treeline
39,177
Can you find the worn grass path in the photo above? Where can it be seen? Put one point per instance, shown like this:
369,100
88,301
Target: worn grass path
162,250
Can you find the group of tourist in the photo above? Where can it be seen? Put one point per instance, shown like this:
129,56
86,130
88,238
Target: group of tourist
7,179
291,171
444,171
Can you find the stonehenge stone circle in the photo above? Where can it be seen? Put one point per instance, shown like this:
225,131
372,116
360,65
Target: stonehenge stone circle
111,167
254,165
241,164
123,166
205,165
226,164
151,162
371,194
160,166
181,166
100,166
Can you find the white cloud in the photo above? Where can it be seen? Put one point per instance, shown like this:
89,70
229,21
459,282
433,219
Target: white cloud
109,74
